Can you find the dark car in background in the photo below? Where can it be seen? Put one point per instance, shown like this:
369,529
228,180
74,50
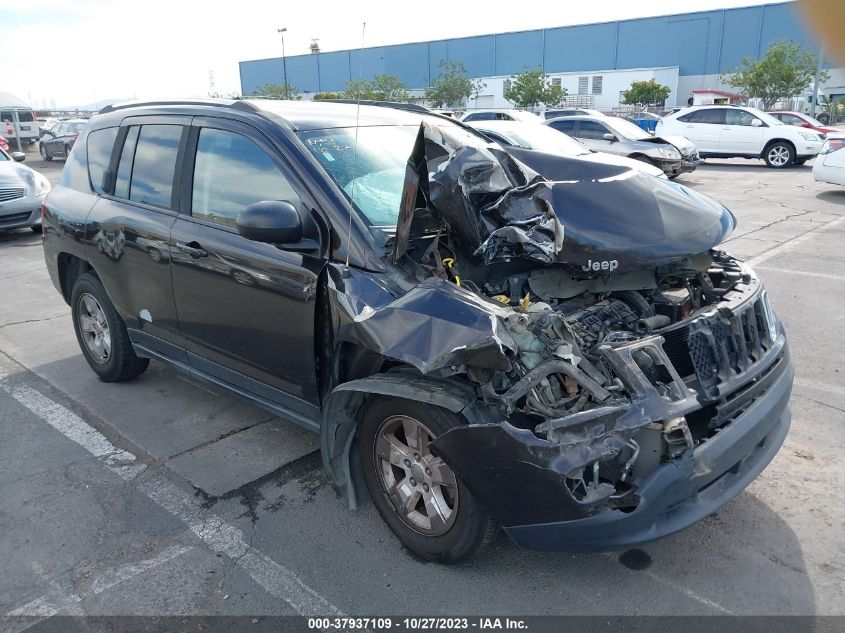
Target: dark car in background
482,337
59,139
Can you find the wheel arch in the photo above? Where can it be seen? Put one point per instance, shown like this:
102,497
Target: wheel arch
70,268
340,419
778,140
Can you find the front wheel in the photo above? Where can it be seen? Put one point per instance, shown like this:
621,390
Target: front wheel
44,155
102,334
415,492
779,155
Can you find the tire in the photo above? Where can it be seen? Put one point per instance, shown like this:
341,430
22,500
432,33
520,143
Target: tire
824,118
451,538
36,228
44,154
779,155
95,319
67,152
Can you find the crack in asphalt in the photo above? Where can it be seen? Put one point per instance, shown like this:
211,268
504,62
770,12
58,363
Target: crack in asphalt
58,316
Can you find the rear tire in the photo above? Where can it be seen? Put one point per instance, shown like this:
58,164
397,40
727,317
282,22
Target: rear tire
102,334
446,523
779,155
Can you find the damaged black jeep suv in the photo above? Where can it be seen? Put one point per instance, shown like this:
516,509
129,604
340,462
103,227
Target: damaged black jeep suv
481,337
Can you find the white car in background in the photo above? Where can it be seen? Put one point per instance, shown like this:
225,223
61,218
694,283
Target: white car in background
501,115
542,138
738,131
830,164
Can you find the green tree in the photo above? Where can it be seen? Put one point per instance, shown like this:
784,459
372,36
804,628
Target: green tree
786,70
277,91
379,88
452,86
390,88
530,88
328,96
643,93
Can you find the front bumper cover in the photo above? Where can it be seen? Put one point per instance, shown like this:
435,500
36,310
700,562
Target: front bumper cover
522,478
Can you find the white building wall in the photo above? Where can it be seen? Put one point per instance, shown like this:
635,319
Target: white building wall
614,82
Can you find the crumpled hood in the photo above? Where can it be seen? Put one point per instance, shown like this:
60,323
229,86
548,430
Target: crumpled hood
550,209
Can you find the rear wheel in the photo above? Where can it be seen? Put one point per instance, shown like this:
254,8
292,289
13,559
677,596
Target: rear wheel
420,498
102,334
779,155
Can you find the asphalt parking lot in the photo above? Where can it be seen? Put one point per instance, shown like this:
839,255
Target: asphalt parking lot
165,496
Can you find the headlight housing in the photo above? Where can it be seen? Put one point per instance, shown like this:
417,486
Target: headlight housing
669,152
42,185
771,320
809,136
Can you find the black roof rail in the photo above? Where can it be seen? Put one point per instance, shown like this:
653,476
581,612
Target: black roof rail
226,103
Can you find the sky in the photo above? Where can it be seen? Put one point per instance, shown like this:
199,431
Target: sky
60,53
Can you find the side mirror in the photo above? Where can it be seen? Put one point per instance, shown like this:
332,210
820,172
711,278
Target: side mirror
18,156
276,222
805,124
607,136
756,123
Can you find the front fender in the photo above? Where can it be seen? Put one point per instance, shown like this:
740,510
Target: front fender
340,417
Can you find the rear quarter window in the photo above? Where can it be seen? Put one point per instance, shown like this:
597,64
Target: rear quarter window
100,144
75,172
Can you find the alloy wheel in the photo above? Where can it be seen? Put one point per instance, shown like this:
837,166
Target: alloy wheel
94,328
779,155
421,487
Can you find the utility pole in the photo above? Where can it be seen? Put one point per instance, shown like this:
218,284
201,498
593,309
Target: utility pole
284,60
816,81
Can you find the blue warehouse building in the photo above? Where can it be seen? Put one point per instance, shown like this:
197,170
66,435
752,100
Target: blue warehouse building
594,62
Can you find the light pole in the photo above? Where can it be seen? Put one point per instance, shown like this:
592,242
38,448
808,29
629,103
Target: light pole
284,60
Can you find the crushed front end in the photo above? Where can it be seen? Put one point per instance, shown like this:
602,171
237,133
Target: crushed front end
621,376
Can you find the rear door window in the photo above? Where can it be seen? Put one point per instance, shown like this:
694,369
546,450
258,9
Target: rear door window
713,116
100,144
124,167
591,130
155,164
565,126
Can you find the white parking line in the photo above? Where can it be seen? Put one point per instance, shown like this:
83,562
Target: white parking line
804,273
45,606
217,534
792,243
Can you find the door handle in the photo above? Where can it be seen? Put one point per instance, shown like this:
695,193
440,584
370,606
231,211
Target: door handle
193,249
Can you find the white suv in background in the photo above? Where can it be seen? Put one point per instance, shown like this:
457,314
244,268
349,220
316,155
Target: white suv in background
734,131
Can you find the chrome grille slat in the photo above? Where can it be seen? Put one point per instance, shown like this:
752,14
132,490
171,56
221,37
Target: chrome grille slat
14,193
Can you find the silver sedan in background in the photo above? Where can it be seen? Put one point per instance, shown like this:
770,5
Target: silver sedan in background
21,191
546,139
675,155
